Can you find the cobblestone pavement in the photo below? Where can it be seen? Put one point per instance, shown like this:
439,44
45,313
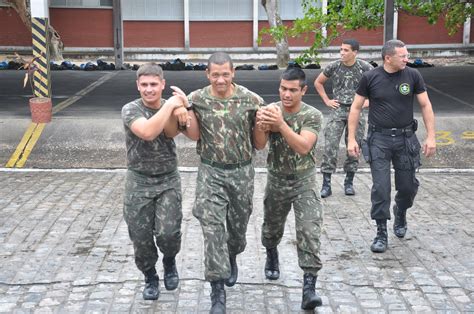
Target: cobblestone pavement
64,248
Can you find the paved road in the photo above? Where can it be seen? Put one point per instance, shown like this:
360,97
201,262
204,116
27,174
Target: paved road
86,131
64,248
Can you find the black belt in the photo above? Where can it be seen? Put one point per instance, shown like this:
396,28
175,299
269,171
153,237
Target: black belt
393,131
225,166
345,105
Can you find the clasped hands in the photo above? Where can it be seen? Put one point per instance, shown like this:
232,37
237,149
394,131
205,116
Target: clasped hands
269,118
179,101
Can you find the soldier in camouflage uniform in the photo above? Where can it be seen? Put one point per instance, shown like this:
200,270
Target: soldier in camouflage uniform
224,191
345,74
152,198
292,128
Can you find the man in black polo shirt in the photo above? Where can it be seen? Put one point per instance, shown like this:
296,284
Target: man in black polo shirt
391,90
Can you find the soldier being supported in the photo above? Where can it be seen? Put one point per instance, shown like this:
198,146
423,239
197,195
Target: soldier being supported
224,190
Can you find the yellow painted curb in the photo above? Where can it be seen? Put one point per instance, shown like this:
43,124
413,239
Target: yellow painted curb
23,150
25,146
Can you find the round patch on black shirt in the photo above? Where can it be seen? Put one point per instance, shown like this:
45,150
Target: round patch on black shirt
404,89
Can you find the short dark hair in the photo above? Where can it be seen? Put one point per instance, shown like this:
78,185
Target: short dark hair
388,48
294,73
352,42
219,58
150,68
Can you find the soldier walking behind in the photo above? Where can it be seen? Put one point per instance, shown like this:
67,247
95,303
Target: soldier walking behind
391,137
152,198
345,75
292,127
224,190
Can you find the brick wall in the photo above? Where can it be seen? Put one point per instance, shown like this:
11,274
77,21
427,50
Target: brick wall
94,28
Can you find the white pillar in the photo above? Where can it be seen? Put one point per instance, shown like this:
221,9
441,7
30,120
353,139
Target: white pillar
39,9
395,24
466,35
186,25
255,24
324,4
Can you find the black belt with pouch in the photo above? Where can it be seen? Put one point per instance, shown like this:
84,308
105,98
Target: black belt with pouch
409,130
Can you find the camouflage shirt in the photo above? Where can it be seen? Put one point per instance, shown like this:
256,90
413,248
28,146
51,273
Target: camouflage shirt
147,157
225,125
282,158
345,80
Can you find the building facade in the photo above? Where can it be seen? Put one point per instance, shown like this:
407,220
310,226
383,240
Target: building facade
193,27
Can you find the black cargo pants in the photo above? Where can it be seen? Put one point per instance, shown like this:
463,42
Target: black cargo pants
403,151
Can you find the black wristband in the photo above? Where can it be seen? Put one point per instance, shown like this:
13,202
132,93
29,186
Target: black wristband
190,107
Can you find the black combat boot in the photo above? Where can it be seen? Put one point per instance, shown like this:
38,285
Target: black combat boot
234,271
152,284
310,297
348,185
381,240
217,297
272,266
400,221
171,277
326,189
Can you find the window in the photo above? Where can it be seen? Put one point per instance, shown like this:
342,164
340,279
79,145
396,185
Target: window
219,10
81,3
158,10
289,10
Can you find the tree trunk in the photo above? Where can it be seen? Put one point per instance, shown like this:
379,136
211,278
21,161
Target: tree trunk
274,19
56,46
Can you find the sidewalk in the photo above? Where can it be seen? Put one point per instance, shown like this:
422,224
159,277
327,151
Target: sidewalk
64,248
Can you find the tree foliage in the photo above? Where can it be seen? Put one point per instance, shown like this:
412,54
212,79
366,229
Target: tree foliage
346,15
455,12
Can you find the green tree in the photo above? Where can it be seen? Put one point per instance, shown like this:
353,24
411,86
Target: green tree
345,15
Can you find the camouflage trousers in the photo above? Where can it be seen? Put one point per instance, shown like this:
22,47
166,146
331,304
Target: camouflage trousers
223,206
335,128
280,194
152,211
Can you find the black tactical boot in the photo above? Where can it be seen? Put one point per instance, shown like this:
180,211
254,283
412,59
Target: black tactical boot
348,186
171,277
400,221
217,297
381,240
151,291
310,297
234,272
272,268
326,189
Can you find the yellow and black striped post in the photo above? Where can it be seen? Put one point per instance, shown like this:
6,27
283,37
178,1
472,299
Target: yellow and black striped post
42,82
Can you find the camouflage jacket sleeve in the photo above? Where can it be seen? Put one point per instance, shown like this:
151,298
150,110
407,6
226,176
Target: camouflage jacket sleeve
130,113
331,68
313,121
